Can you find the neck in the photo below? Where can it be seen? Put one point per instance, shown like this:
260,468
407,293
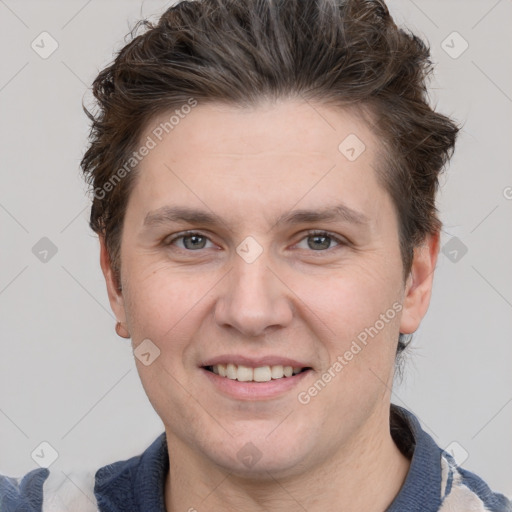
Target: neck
364,474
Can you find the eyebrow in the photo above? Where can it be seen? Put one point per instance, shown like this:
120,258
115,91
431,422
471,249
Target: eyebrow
336,213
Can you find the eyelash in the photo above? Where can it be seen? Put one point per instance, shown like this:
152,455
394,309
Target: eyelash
341,242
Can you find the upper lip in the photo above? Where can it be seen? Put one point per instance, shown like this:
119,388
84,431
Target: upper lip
252,362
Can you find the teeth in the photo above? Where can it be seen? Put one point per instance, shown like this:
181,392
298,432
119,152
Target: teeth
276,372
244,374
231,371
260,374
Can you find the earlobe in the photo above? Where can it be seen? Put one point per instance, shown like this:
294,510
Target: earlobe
418,288
122,331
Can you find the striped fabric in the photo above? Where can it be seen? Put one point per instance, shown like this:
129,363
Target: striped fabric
462,490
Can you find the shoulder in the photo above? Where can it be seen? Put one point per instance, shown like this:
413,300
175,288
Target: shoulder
42,490
435,483
130,484
463,490
23,493
135,483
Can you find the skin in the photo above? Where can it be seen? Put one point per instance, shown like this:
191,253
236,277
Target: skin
298,299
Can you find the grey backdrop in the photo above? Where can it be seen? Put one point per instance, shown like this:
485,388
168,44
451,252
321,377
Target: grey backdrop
65,377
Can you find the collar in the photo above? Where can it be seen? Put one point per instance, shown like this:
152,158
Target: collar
421,491
135,484
138,483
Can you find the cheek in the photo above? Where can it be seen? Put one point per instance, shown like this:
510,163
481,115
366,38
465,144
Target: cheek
361,310
164,307
155,300
359,316
351,299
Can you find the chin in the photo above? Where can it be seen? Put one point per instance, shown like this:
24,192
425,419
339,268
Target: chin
262,469
260,455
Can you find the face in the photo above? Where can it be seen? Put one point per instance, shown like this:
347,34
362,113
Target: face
254,245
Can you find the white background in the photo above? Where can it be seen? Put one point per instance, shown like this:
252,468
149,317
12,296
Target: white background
66,378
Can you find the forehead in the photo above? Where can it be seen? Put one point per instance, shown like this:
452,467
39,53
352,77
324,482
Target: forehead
292,126
252,160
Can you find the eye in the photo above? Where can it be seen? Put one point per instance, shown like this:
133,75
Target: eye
320,241
190,241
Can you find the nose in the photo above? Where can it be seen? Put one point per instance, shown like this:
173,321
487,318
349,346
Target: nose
253,299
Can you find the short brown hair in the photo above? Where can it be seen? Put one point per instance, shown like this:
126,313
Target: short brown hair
347,53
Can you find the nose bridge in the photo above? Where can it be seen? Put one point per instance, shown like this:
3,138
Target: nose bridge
252,298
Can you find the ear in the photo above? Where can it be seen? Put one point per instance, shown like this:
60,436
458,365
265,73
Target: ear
418,288
115,295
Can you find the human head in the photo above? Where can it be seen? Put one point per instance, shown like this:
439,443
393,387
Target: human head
344,53
237,77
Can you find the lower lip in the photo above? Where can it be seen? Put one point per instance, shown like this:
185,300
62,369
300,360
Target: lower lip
254,390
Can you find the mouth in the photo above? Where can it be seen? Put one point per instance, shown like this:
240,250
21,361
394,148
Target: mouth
265,373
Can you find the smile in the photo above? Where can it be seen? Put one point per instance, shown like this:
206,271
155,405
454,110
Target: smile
243,373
